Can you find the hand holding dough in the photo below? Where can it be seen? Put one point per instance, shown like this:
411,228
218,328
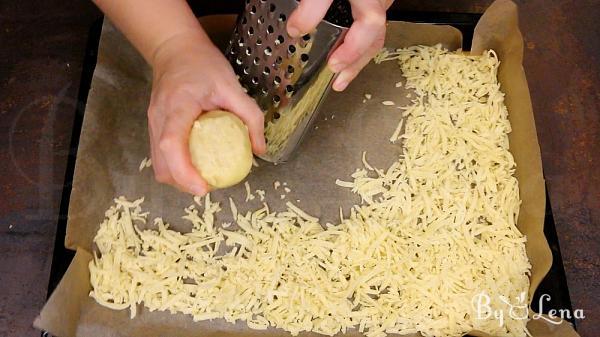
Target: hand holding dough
220,148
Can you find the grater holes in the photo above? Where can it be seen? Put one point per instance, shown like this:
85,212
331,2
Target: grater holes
266,71
254,80
248,51
272,8
277,81
241,42
282,18
264,92
290,71
238,61
277,62
276,100
304,41
270,30
256,61
261,20
244,20
276,115
279,40
268,51
246,70
253,10
259,41
251,31
304,57
291,50
289,90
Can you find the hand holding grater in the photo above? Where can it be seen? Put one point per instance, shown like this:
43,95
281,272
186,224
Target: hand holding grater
288,77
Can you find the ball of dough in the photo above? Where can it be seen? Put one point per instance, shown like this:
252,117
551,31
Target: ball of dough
220,148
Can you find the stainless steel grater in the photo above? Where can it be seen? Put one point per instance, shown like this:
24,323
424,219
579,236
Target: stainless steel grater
287,76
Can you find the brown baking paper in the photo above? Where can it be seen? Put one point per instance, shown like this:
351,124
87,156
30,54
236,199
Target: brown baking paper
114,141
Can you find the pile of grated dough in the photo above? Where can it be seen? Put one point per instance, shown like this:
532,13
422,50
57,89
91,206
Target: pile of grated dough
434,230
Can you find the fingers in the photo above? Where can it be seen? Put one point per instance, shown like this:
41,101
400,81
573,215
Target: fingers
159,165
347,75
173,146
307,16
362,42
248,111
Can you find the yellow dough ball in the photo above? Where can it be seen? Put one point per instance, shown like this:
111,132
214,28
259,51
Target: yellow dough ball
220,148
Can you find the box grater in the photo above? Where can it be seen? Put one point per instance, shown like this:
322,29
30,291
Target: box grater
288,77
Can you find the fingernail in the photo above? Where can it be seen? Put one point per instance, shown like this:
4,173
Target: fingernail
198,190
340,86
293,31
336,66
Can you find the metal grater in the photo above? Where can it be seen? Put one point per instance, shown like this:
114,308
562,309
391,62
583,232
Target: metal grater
278,71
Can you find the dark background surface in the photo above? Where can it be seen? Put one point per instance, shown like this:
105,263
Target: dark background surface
42,46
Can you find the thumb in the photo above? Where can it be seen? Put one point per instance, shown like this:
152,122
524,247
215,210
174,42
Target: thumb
248,111
307,16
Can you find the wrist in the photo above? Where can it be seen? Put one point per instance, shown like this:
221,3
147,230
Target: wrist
184,43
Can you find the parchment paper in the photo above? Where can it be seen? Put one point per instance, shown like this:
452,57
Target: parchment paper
114,140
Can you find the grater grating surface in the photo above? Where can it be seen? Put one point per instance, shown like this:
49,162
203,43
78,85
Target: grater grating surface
286,76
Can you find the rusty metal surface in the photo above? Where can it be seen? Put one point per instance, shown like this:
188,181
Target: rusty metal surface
40,64
562,62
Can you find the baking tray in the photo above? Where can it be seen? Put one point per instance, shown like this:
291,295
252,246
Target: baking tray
554,284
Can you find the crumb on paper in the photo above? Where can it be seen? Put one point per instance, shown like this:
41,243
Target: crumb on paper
249,195
398,84
396,135
254,162
276,184
297,200
368,96
10,226
282,196
332,116
408,95
316,127
364,101
287,189
226,224
261,194
146,162
388,103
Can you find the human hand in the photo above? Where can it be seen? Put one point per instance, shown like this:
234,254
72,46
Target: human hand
191,76
363,40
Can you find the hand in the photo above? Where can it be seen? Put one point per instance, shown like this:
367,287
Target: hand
363,40
192,76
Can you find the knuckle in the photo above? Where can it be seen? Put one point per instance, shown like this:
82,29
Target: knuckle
375,19
166,143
